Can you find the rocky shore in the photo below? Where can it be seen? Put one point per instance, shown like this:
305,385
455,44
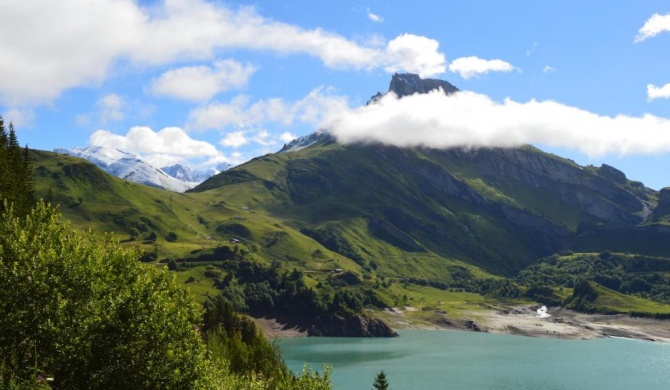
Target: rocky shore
520,320
556,323
332,326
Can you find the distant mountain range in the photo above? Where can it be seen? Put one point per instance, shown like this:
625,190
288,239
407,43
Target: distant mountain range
132,167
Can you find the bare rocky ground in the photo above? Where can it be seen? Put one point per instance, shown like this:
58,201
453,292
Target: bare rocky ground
275,330
521,320
561,323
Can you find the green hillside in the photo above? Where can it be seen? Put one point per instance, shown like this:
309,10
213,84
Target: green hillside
369,220
497,209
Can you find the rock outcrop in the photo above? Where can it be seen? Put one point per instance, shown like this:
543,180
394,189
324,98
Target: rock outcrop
358,325
406,84
597,195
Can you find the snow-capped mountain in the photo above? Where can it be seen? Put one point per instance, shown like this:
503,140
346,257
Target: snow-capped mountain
128,166
190,175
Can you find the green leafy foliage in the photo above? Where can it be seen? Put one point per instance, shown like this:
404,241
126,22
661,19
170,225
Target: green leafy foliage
237,340
643,276
87,313
171,237
275,293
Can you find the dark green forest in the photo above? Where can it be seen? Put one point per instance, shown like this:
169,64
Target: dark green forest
16,181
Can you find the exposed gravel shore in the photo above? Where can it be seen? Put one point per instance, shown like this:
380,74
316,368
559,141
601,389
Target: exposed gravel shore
560,323
522,320
275,330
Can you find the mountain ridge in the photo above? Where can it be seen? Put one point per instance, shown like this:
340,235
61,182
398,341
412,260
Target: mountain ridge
132,167
443,201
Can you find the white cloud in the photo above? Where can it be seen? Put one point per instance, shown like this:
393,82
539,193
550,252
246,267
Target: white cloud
19,117
239,112
239,138
653,26
58,45
374,17
49,46
468,67
468,119
262,137
170,144
235,139
111,108
415,54
549,69
200,83
654,92
287,137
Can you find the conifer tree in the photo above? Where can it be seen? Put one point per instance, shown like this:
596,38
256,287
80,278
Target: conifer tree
380,382
16,172
3,159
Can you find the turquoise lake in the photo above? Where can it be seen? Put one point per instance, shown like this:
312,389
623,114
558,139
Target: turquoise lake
424,359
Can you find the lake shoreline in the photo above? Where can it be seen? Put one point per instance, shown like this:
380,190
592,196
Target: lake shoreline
521,320
560,323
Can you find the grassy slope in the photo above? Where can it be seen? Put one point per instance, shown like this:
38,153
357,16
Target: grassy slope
259,198
328,202
94,200
395,203
607,301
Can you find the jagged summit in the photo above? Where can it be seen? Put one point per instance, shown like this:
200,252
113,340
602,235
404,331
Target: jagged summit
405,84
402,84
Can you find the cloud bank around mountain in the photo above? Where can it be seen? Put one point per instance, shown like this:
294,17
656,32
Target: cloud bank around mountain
471,120
168,146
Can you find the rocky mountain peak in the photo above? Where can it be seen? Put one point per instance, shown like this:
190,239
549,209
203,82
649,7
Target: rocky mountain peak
406,84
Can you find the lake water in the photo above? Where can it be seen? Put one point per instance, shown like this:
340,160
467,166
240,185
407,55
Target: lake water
424,359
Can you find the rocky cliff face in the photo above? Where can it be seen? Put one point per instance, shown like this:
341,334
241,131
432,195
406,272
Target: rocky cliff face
662,211
358,325
596,194
405,84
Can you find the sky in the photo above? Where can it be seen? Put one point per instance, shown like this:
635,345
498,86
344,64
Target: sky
205,82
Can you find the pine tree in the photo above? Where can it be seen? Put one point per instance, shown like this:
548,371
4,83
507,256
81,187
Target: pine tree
26,184
16,172
380,382
3,160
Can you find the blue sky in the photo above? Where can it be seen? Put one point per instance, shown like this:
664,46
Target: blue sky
204,82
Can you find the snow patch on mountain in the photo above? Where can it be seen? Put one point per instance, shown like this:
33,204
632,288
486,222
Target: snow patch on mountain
190,175
306,141
128,166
